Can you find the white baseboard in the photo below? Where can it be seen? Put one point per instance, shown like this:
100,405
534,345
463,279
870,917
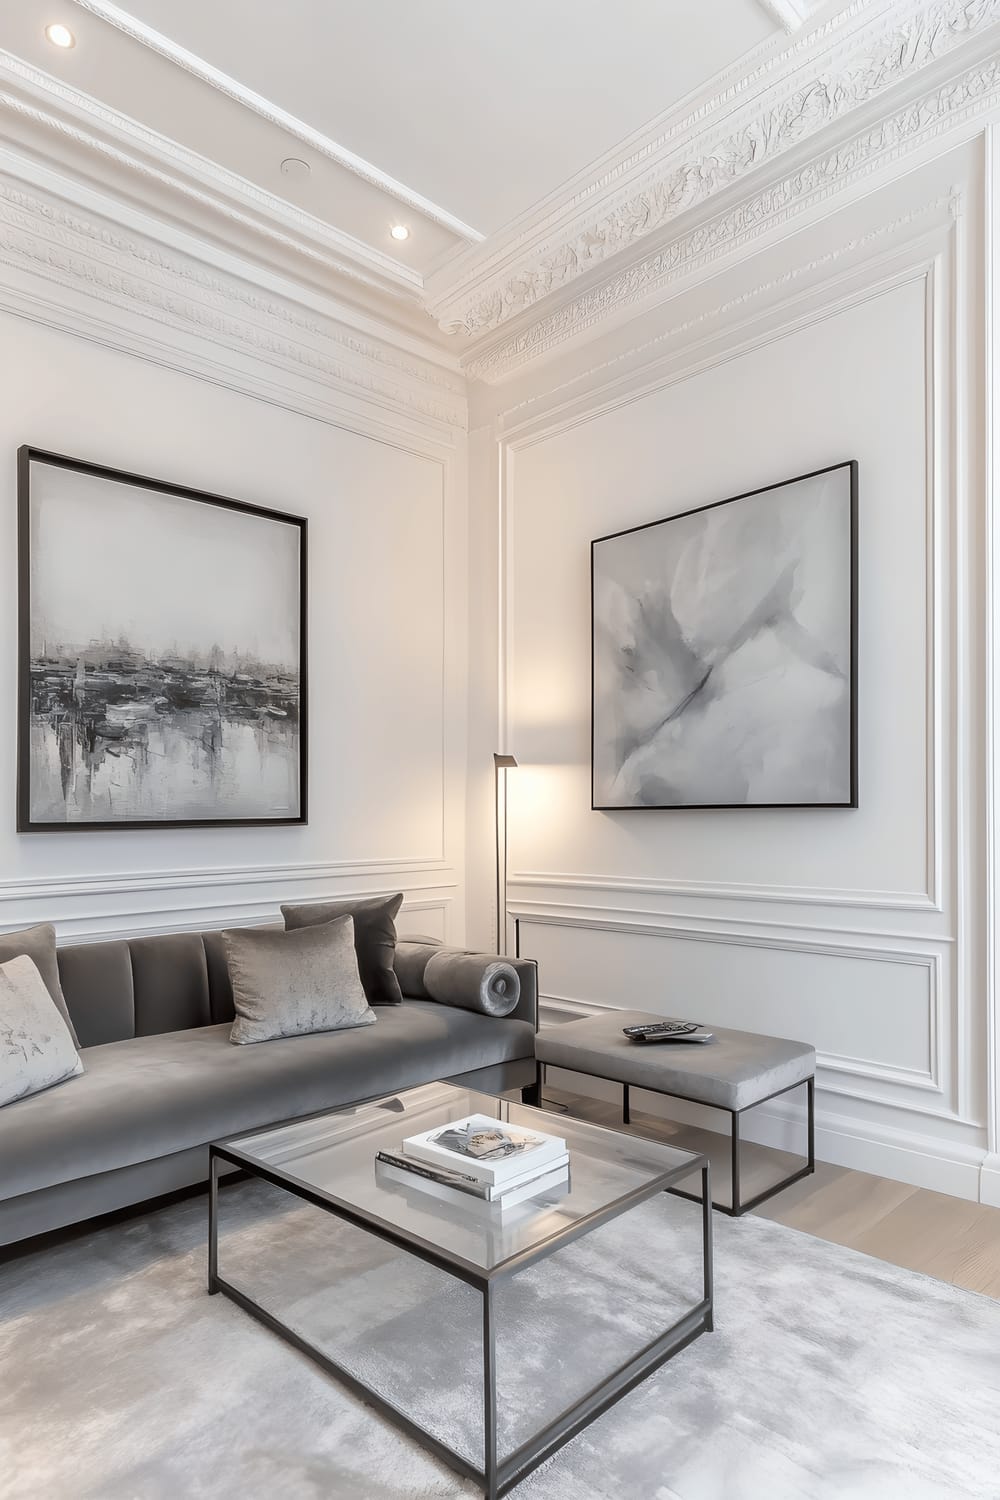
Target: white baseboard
989,1180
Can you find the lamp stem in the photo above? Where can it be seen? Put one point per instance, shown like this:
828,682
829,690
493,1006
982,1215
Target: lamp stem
496,799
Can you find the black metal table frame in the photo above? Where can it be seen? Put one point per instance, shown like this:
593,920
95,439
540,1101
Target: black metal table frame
498,1475
533,1095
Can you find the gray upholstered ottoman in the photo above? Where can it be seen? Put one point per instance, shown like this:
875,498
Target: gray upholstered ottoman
735,1072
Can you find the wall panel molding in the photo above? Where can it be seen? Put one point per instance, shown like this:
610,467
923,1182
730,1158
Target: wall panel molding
45,888
917,901
122,925
924,252
817,942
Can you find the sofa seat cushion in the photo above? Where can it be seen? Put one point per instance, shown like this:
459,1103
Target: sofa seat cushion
152,1096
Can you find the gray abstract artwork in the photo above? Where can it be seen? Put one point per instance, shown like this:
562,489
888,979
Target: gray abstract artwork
723,653
163,656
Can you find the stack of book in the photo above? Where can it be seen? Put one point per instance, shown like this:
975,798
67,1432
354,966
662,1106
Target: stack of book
479,1158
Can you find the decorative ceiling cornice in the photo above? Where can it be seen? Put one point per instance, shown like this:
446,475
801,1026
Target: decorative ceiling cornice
728,236
811,87
87,272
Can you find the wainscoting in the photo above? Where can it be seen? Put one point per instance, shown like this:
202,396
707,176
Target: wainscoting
860,931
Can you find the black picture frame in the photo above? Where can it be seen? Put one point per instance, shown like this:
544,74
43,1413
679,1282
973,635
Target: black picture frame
852,801
28,455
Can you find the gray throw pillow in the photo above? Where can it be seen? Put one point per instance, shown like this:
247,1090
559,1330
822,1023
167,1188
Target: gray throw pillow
374,938
39,944
291,983
36,1049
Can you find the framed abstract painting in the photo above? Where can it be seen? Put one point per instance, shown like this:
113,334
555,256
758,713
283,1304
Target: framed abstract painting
725,652
162,654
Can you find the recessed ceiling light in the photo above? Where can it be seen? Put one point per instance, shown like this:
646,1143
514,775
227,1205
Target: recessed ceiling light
294,166
399,232
60,36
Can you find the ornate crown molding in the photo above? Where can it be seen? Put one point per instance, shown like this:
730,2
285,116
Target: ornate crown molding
724,315
143,294
820,78
729,235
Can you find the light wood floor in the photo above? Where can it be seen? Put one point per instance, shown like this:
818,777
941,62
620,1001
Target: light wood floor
925,1231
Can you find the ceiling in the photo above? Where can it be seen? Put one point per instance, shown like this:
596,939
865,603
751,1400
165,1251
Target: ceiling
480,109
451,117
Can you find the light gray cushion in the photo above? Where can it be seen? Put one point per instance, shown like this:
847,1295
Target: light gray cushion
36,1049
738,1069
294,983
156,1095
39,943
473,981
374,938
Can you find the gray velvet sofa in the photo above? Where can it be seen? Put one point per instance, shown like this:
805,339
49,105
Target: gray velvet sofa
162,1079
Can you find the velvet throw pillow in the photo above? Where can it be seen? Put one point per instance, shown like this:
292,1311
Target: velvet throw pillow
39,944
374,939
36,1049
293,983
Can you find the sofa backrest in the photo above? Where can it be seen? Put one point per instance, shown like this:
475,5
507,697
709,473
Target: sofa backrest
147,985
142,986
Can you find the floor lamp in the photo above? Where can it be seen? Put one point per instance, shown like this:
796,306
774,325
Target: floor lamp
502,763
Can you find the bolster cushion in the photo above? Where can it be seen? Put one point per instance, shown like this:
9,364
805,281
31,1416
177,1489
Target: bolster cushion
472,981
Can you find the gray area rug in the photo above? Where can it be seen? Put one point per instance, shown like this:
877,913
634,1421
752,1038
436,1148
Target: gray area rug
829,1374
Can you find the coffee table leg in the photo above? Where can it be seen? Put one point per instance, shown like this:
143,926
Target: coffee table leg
489,1395
706,1236
213,1223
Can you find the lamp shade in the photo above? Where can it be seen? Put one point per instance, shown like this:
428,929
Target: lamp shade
503,762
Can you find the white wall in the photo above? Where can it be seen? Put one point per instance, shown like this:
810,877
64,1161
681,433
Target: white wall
387,665
861,931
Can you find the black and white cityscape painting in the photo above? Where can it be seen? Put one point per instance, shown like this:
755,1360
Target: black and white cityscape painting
162,654
724,653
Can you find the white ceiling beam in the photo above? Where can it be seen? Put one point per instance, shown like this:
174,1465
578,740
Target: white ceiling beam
790,14
115,16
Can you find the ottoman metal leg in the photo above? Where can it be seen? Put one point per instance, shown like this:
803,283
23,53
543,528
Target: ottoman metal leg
739,1207
736,1208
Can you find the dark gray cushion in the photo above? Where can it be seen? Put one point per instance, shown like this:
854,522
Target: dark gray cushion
374,938
157,1095
295,983
97,983
410,960
39,944
472,981
738,1069
170,982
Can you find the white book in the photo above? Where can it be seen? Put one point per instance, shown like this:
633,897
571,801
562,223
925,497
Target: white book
484,1147
548,1184
464,1181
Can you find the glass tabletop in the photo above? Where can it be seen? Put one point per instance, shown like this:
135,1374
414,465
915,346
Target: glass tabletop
333,1156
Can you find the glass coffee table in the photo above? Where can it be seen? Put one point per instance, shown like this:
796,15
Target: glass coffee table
328,1160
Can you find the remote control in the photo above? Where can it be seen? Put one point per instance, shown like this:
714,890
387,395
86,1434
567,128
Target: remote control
666,1031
